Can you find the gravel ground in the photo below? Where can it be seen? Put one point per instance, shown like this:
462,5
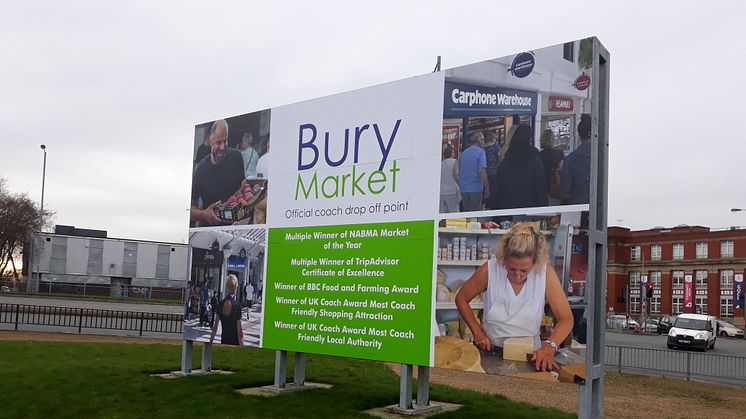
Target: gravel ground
625,395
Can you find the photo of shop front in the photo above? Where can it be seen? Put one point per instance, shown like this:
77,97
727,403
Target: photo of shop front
485,103
219,256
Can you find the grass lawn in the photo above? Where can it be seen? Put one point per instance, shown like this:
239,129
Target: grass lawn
74,380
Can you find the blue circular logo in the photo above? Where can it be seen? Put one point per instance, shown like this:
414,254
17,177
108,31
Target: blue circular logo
523,64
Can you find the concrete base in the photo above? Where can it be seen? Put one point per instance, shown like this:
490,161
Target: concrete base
271,391
394,411
179,374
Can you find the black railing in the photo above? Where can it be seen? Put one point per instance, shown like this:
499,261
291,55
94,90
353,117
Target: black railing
90,318
677,363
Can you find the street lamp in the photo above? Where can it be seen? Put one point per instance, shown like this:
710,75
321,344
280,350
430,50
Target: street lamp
43,178
41,214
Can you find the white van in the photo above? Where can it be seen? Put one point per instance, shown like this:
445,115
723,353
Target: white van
694,331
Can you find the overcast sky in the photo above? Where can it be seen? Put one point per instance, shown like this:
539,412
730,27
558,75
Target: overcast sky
114,90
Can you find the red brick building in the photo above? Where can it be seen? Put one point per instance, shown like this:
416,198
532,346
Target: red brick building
666,256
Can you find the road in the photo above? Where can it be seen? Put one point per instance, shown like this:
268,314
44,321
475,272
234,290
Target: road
723,346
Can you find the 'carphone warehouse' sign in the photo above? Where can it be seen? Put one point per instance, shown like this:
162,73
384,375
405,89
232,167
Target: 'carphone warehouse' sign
467,100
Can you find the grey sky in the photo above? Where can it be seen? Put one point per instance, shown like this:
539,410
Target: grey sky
114,90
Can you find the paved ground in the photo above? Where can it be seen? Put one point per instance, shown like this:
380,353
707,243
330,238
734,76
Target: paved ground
626,396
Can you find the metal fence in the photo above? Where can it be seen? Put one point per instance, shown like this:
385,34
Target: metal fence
87,318
130,292
676,363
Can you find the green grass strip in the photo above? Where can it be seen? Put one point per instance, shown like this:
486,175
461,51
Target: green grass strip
81,380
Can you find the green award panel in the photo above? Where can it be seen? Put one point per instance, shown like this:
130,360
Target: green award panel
358,290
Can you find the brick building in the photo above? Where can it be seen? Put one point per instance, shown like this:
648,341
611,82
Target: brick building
713,258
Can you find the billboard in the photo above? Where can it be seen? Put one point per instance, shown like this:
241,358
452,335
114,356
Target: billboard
414,222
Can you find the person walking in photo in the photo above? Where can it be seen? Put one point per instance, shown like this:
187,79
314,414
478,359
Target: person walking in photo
249,154
449,192
521,181
229,316
576,171
472,171
553,159
492,153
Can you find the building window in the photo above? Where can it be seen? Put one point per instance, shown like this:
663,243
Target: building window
163,262
634,304
701,303
701,250
726,249
568,51
726,279
677,279
726,307
655,305
701,279
634,280
655,252
677,305
635,253
655,278
678,251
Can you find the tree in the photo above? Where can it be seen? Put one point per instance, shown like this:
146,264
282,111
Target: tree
19,217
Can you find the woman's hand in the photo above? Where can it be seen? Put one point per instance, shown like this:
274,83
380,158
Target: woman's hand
543,358
481,340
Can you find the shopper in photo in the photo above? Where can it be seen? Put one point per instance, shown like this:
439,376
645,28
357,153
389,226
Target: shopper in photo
449,192
552,158
216,177
204,299
229,316
492,153
249,154
506,146
514,287
472,171
203,150
249,299
262,165
576,171
521,181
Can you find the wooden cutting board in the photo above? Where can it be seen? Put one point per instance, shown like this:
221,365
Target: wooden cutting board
457,354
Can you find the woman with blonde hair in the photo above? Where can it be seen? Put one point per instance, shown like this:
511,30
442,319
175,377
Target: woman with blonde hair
514,286
229,313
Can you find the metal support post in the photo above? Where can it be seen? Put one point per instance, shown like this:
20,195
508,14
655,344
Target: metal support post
206,357
187,348
405,387
423,386
299,372
281,368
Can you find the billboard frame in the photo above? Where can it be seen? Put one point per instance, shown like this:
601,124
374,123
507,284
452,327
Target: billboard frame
591,394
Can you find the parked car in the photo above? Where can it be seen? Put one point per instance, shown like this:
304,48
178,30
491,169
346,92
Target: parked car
727,329
650,326
693,330
5,288
619,322
665,323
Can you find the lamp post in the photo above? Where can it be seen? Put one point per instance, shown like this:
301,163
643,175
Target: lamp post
41,212
43,179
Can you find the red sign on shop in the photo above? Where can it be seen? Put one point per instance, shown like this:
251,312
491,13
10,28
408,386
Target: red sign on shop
560,104
582,82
